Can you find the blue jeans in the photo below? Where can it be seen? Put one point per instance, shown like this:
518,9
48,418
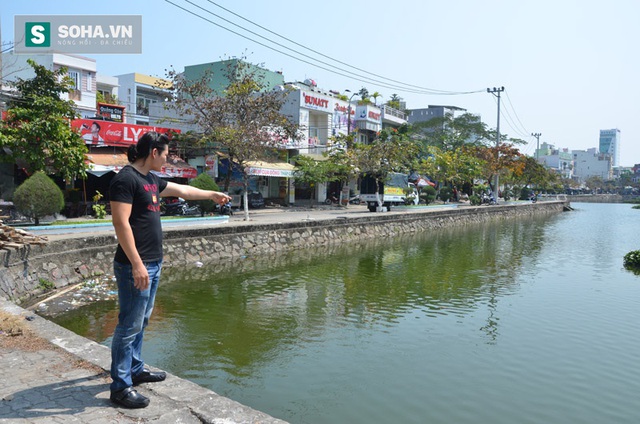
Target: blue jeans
135,309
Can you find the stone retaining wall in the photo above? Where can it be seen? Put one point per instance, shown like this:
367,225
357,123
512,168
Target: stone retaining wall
73,260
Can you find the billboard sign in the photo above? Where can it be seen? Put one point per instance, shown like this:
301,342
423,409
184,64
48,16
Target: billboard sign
107,133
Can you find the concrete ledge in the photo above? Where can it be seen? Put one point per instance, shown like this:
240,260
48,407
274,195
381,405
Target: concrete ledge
74,259
177,400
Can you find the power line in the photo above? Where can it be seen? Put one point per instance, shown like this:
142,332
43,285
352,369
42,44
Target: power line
329,57
350,76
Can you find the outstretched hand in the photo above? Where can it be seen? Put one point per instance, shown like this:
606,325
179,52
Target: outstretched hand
220,198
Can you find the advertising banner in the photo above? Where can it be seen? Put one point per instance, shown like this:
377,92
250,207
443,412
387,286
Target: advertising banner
111,112
108,133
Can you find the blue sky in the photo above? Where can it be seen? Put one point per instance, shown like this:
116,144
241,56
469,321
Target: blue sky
569,67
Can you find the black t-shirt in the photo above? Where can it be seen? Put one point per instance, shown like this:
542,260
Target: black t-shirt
143,193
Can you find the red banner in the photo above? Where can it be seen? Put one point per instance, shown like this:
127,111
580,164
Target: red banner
108,133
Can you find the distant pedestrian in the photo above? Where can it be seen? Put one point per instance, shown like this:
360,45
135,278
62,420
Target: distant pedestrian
135,208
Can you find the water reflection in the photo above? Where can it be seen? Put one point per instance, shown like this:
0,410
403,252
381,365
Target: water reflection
246,312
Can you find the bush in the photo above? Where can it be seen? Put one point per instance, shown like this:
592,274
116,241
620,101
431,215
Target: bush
446,193
525,193
428,194
98,208
38,196
475,200
632,260
204,182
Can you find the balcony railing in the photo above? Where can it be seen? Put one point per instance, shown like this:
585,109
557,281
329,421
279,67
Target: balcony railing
388,110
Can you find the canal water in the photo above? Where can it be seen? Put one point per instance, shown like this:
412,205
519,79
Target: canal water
529,320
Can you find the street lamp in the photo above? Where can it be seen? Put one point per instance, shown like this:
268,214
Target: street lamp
349,111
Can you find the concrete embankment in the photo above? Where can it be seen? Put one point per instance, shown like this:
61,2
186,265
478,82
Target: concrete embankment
71,258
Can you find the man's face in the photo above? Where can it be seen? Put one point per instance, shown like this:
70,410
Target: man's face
159,158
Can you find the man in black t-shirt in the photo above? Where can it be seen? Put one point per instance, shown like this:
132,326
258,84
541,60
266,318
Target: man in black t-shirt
135,209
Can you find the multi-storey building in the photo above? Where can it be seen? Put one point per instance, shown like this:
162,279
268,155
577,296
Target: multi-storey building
137,92
81,70
609,143
591,163
559,160
432,111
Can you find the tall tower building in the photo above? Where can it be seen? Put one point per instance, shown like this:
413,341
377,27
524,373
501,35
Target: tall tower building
610,144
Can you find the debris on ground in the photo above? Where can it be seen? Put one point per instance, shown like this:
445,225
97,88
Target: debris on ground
90,291
16,238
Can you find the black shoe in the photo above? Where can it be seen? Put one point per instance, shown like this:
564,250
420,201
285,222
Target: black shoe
147,376
129,398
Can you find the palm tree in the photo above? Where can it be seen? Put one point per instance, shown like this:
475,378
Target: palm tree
375,96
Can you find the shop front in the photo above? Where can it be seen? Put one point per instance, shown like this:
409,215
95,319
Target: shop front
273,180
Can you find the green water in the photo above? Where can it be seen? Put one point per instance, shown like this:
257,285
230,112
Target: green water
531,320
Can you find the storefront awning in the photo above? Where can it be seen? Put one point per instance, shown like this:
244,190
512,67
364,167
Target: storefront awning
102,162
270,169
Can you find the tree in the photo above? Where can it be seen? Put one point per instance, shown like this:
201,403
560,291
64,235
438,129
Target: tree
38,196
311,171
375,96
391,151
245,119
394,101
454,166
204,182
500,159
450,132
37,128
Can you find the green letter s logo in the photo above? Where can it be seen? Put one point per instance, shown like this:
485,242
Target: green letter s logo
37,34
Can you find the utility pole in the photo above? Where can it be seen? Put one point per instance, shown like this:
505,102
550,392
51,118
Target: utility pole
537,136
496,92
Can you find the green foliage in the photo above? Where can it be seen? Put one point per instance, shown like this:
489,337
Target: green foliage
475,200
635,207
446,193
525,193
428,194
507,193
632,260
99,209
46,285
480,188
36,129
38,196
205,182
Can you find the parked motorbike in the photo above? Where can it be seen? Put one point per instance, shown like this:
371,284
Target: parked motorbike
488,199
225,209
179,206
331,200
354,200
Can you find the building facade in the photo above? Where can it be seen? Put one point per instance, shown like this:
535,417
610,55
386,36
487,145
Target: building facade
609,143
559,160
590,163
138,92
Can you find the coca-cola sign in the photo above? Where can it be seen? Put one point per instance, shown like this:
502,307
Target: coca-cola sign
107,133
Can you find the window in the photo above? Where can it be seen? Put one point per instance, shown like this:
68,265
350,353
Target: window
75,79
75,93
89,82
